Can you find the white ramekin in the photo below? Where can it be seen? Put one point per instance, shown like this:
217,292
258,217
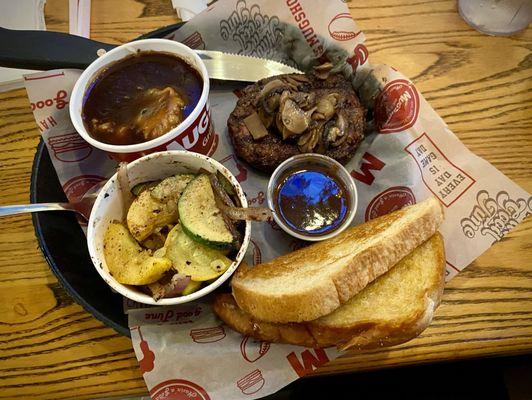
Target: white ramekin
108,207
195,133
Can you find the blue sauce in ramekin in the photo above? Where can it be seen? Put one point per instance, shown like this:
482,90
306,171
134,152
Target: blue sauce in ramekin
312,201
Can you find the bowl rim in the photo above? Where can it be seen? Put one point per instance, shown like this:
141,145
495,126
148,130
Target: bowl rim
77,96
344,175
131,294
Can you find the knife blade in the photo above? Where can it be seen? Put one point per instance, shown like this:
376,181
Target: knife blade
45,50
236,67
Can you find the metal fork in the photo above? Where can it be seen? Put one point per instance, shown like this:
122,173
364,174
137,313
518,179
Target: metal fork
83,207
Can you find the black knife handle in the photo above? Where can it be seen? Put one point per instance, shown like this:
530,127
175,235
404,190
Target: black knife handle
44,50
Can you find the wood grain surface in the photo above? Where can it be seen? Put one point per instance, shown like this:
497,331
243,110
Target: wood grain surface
51,348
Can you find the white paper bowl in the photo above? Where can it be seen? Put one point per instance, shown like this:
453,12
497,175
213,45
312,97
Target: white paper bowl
194,133
108,207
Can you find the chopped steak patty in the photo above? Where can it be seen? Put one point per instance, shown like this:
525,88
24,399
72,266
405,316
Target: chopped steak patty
312,114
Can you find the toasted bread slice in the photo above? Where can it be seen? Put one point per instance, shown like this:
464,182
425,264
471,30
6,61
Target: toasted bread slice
395,308
316,280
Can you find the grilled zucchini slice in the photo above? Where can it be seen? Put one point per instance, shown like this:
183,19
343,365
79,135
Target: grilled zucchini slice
200,218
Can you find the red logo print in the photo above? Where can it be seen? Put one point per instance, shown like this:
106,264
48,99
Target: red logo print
232,164
58,100
397,107
259,199
146,364
178,389
446,180
252,349
194,41
47,123
359,57
257,253
390,200
69,148
37,78
76,187
199,136
370,162
251,383
452,266
207,335
310,362
340,27
214,145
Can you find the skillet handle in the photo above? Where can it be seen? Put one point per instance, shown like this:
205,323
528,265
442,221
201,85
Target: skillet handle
44,50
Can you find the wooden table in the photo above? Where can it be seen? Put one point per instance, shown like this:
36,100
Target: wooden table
51,348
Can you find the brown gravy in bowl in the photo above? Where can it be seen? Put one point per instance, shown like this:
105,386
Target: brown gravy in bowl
140,98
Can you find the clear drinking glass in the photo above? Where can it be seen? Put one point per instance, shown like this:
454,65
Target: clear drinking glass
496,17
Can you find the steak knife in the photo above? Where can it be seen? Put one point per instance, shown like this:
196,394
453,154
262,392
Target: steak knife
45,50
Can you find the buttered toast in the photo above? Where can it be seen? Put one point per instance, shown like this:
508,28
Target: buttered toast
393,309
314,281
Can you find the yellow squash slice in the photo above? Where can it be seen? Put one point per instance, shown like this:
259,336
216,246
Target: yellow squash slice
128,263
192,258
146,214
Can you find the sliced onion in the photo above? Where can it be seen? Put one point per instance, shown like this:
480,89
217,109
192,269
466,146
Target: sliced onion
123,184
223,201
219,191
227,207
174,287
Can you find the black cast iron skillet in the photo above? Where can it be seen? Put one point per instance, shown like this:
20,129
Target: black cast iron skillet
58,233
